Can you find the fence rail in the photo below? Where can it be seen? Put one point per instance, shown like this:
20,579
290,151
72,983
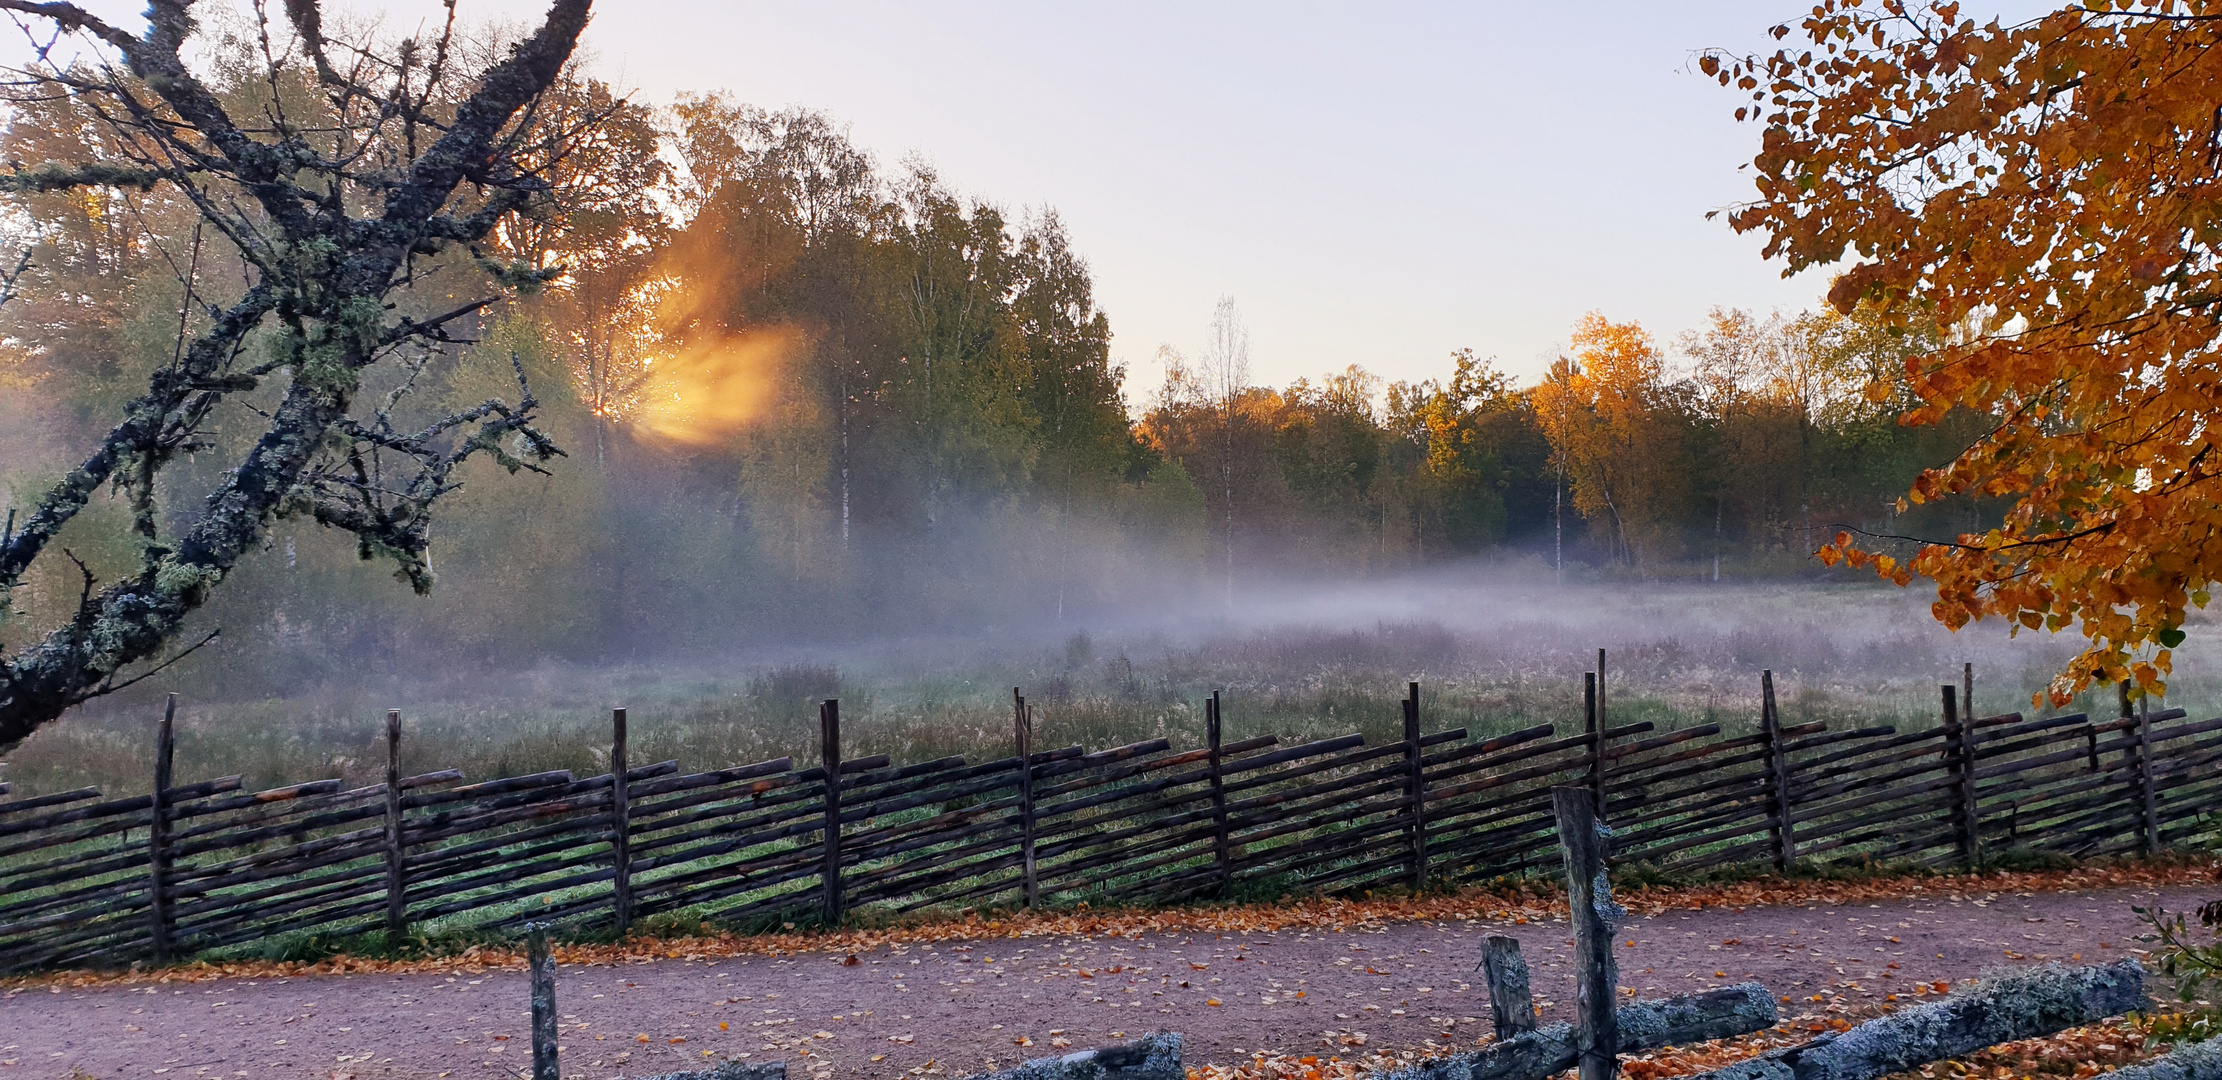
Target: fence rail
89,881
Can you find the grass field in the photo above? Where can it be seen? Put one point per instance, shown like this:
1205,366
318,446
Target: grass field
1493,651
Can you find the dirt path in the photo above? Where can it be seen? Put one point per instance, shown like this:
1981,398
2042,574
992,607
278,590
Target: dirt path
966,1007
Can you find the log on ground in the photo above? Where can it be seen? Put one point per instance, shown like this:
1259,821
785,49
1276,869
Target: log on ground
1151,1057
2191,1061
2024,1004
1643,1025
731,1070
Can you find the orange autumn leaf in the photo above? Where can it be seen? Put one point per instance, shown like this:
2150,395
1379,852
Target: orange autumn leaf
2042,190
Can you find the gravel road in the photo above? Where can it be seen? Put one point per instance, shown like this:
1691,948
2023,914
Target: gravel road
953,1008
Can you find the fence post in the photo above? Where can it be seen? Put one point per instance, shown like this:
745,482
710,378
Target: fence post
1415,787
397,880
621,826
2146,801
1222,858
1960,752
1023,723
1778,775
1593,715
1595,919
829,752
1511,1001
158,833
1600,702
542,964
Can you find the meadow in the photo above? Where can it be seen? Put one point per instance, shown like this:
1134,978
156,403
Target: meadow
1494,648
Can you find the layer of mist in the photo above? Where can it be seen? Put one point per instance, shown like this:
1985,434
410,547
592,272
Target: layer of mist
1495,646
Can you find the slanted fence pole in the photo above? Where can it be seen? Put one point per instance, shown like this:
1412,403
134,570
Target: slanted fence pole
1960,733
621,826
829,752
1778,775
1595,918
1511,1000
2148,805
397,878
1415,788
1593,710
542,963
1221,855
158,832
1600,696
1597,774
1022,720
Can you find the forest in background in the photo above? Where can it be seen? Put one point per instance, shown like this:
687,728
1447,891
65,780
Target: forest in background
806,396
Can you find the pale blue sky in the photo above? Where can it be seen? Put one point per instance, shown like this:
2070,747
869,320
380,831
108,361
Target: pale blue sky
1375,184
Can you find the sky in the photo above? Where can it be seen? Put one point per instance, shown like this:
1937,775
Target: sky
1375,184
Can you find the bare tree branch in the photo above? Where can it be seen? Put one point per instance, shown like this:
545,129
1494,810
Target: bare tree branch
318,301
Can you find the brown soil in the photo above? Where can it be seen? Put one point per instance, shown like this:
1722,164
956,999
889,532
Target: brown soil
950,1007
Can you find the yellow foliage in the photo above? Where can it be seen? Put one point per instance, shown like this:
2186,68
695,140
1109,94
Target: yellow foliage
2046,185
1610,418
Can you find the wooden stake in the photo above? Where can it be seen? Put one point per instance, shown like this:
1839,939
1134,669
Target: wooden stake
1593,710
1961,730
1597,775
2147,804
621,826
1222,856
1595,917
1600,689
543,1003
1511,1002
1415,788
158,833
1778,775
397,899
829,753
1967,692
1023,723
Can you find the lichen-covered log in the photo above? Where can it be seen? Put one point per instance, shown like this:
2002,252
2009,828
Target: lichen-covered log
731,1070
1151,1057
2194,1061
1643,1025
2019,1005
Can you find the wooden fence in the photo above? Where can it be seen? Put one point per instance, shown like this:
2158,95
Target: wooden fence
104,882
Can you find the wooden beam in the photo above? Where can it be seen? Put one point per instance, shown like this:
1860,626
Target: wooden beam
621,826
1415,789
1778,775
1022,720
542,963
1511,1000
158,833
1595,919
829,754
397,884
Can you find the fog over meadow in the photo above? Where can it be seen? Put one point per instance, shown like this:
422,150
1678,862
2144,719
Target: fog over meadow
1496,644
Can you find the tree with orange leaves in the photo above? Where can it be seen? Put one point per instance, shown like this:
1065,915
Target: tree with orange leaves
1621,429
2047,188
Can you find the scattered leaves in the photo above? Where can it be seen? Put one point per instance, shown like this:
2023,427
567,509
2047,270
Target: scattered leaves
1513,904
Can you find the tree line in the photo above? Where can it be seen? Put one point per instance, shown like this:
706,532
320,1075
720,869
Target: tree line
800,392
